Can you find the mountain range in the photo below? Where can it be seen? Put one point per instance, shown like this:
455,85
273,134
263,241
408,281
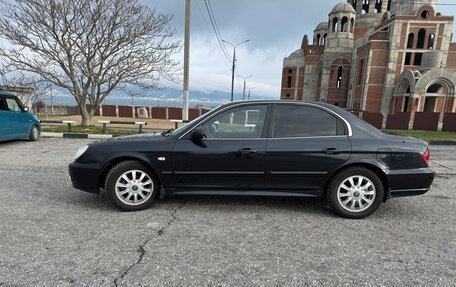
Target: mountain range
159,97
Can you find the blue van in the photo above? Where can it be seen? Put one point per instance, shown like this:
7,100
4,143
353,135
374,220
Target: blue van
16,121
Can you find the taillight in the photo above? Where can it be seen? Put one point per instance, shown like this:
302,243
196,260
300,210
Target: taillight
427,157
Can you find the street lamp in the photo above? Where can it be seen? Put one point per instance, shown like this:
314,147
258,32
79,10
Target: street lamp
245,84
234,63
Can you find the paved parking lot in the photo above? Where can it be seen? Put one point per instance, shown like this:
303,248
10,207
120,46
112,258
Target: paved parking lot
53,235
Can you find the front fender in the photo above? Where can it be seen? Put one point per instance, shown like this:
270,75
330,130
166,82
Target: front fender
158,162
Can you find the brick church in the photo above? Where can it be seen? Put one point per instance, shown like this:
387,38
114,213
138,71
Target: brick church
379,56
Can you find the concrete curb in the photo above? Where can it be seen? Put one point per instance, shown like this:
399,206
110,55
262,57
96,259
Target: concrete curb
442,142
74,136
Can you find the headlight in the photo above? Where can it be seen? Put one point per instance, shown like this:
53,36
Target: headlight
81,151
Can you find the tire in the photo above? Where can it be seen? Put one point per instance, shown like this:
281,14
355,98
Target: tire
34,133
131,186
355,193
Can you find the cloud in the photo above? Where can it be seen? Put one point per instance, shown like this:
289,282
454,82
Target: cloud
274,27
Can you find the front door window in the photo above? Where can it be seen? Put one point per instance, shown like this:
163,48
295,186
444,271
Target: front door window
244,122
13,105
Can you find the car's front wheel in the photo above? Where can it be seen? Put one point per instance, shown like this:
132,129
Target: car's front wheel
355,193
131,186
34,133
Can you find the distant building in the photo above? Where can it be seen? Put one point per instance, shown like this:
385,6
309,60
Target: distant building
23,93
377,56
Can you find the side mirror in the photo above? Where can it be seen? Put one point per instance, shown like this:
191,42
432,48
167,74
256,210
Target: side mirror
198,134
26,109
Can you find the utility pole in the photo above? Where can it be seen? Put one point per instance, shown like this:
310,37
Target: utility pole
245,85
249,93
234,64
186,60
52,100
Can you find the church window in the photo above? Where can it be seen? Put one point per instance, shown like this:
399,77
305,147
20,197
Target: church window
324,39
339,77
408,59
421,39
344,24
431,41
425,14
289,82
318,39
378,6
418,58
335,25
352,26
411,39
366,6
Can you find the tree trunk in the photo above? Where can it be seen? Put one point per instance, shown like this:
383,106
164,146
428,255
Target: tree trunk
86,116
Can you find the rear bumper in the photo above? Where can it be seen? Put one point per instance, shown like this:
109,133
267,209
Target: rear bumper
84,177
410,182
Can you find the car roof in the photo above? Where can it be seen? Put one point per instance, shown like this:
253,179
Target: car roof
6,94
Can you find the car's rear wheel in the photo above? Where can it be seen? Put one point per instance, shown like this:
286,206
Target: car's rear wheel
355,193
34,133
131,186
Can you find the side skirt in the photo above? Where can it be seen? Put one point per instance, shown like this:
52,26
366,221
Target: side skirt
266,193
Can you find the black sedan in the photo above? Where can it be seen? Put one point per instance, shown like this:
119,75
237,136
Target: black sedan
262,148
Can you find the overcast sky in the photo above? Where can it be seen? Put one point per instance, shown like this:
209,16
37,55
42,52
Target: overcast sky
275,29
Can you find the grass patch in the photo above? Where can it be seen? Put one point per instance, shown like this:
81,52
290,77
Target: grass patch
50,117
425,135
87,130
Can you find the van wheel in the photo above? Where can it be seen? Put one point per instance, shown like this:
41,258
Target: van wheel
131,186
355,193
34,133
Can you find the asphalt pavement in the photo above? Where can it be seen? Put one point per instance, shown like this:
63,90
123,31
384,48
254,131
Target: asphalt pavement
54,235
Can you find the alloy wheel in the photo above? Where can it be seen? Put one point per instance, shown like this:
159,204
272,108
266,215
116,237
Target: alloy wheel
356,193
134,187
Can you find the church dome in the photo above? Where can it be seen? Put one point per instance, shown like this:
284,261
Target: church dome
322,26
343,8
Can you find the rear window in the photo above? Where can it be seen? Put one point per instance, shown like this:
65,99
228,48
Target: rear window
292,121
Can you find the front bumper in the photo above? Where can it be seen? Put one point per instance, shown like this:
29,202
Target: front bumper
84,177
410,182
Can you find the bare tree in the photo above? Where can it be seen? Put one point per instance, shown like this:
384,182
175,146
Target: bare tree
89,47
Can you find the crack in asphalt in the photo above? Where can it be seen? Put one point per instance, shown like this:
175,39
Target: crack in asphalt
441,165
142,251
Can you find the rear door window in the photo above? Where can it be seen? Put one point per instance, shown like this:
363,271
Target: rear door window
294,121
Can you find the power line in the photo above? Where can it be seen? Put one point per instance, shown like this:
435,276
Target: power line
209,28
216,30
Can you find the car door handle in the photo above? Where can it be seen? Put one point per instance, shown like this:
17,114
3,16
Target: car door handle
332,150
248,151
